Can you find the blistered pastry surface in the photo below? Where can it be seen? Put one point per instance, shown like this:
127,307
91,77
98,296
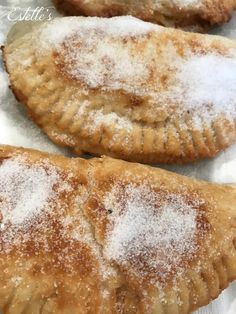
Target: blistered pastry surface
162,109
109,236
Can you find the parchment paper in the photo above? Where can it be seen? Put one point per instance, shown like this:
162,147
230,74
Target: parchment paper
16,129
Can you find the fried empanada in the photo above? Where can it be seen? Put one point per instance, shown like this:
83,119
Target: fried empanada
108,236
127,88
194,14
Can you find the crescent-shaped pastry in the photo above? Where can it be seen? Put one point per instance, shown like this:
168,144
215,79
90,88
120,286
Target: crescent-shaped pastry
127,88
106,236
198,14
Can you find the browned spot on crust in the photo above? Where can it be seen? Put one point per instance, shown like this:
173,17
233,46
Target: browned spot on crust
234,243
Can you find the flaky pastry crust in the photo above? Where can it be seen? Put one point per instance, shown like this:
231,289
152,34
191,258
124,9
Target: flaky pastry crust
75,251
128,89
195,15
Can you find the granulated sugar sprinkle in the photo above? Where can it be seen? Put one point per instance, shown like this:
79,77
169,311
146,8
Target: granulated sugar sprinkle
187,3
207,80
149,229
25,190
100,62
55,32
94,53
99,119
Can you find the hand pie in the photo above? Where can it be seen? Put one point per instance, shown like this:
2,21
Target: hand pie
198,14
127,88
106,236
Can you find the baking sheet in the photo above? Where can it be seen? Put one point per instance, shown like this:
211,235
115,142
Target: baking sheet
16,129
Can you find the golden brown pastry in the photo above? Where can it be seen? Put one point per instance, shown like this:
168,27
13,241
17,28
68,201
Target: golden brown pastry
107,236
197,14
127,88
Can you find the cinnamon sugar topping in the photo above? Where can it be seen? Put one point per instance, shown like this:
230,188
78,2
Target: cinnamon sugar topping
60,29
116,54
154,232
25,190
41,213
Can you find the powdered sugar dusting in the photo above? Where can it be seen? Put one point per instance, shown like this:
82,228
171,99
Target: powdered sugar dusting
151,229
25,191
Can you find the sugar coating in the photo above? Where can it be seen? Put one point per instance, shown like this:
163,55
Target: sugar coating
25,190
41,206
150,230
208,80
98,118
186,3
95,54
59,29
